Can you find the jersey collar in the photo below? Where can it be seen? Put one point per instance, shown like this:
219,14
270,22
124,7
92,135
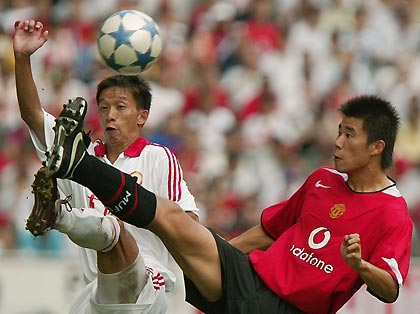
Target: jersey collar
134,150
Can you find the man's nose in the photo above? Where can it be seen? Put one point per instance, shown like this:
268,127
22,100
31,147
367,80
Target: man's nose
110,115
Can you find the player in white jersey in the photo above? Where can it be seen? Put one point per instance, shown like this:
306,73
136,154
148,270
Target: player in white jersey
125,267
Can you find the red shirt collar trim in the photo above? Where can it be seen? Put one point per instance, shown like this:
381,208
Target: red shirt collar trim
134,150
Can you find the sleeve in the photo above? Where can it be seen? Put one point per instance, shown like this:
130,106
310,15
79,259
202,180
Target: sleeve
49,122
393,250
174,187
279,217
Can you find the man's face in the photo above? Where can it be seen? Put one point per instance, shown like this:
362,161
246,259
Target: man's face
351,150
119,116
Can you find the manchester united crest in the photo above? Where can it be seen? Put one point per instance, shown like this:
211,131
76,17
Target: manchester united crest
337,211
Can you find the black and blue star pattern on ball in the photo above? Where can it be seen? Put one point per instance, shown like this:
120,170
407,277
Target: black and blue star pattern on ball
122,36
152,28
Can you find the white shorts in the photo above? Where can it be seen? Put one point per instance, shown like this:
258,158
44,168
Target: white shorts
152,300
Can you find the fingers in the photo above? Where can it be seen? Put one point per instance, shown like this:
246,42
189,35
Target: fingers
45,35
351,251
351,239
28,25
352,245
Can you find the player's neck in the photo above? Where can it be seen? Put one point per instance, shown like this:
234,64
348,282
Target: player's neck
114,152
115,148
365,183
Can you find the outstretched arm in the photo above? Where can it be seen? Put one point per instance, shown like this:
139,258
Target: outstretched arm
253,239
378,280
29,37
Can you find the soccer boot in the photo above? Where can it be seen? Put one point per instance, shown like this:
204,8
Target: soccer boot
69,145
44,212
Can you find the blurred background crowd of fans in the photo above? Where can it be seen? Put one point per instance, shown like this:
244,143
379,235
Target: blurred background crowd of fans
245,93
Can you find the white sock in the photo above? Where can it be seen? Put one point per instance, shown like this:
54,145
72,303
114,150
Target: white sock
88,228
122,287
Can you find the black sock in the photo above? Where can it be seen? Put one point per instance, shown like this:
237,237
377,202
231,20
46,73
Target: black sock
117,190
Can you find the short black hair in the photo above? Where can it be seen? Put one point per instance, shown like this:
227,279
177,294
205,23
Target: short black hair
381,121
139,87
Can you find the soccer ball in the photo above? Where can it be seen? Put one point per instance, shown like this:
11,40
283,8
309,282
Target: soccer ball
129,41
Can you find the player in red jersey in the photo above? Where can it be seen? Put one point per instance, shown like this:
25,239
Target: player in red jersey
343,228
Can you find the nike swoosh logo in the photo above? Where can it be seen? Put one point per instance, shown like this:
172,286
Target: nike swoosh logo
78,138
318,184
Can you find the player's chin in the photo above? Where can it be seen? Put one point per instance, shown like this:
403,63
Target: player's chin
338,164
112,137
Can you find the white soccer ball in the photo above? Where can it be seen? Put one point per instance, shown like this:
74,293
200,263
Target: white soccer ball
129,41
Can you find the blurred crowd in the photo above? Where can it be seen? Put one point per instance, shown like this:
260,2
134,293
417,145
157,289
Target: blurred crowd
245,93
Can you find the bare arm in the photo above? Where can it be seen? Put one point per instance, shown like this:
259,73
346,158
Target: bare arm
252,239
29,37
378,280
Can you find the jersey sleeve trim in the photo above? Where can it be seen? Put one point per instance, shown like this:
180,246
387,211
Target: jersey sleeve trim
174,175
393,264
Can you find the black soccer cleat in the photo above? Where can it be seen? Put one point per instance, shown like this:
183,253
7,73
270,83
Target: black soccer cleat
69,145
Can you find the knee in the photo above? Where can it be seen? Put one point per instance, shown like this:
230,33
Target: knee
124,239
121,255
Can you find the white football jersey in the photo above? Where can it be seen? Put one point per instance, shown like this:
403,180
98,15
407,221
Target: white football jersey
156,169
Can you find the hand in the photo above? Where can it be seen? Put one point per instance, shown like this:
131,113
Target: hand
29,37
351,251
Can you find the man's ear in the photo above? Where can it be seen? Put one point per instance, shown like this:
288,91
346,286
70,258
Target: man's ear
378,147
142,117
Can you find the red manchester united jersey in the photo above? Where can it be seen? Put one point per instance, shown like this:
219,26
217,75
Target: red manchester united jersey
304,265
